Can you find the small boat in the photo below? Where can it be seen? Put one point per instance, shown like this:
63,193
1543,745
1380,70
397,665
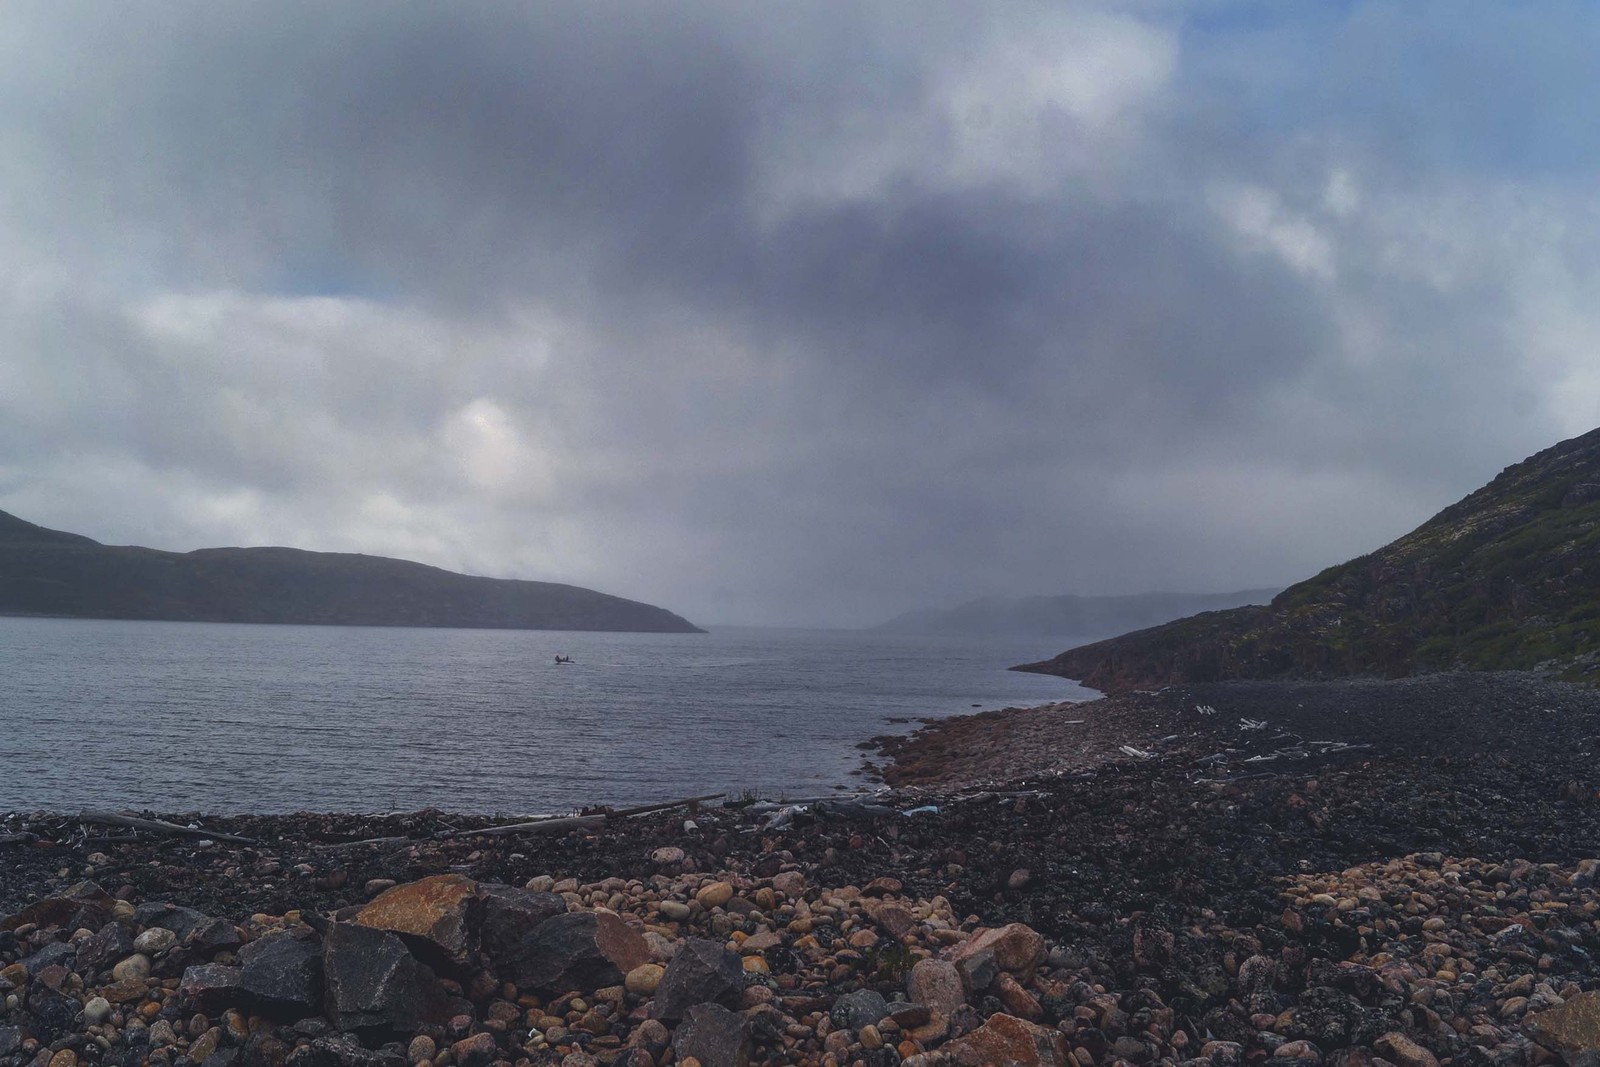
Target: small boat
563,659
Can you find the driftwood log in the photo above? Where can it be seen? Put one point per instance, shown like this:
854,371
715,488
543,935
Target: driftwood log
571,822
133,822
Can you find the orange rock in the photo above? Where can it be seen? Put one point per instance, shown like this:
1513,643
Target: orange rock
1017,948
1400,1049
1007,1039
433,910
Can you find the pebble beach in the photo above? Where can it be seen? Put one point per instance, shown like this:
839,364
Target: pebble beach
1351,873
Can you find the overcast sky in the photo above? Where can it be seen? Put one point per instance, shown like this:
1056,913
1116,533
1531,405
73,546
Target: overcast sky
793,313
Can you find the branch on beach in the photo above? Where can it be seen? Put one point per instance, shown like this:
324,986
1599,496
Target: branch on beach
570,822
106,818
537,826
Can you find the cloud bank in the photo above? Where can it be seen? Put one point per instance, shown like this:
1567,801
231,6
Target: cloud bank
798,314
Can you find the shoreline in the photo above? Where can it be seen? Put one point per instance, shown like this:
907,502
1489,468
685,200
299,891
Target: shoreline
1332,887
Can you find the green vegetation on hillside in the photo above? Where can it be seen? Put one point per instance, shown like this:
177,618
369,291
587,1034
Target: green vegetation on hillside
1507,578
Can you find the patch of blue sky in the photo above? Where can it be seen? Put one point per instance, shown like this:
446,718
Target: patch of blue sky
1501,88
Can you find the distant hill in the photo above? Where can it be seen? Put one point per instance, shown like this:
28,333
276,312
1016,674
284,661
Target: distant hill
1508,578
1080,617
47,572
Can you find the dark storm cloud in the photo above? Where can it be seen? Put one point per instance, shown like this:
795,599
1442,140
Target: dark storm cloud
808,313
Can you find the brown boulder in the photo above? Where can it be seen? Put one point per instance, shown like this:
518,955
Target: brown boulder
1007,1039
83,905
937,984
433,914
1399,1049
1571,1030
1018,949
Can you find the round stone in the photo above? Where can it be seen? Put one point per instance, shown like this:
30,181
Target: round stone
643,979
155,941
422,1049
98,1010
674,910
135,966
715,894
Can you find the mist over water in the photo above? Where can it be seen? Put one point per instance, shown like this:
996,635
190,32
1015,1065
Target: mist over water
233,718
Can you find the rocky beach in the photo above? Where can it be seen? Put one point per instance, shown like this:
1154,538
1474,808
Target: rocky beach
1272,873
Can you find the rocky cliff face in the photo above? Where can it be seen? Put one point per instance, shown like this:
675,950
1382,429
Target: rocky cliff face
47,572
1508,578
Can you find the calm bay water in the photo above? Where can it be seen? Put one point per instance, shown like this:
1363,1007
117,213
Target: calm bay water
232,718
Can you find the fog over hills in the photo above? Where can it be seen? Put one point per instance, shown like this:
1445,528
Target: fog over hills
1081,617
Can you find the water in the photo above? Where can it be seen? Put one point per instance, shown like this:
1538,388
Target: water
232,718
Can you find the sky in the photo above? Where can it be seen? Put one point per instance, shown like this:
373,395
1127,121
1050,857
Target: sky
799,313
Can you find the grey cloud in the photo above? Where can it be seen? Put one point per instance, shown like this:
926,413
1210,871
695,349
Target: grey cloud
808,314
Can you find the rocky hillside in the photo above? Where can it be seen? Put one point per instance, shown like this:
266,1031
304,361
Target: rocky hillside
1507,578
47,572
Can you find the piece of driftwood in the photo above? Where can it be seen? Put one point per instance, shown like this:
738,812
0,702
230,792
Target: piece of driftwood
538,826
107,818
647,809
364,841
572,822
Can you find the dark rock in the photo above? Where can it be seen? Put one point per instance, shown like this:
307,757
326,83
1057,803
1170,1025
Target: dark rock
578,950
978,970
10,1039
476,1051
105,947
263,1049
81,906
701,972
210,936
59,953
511,914
342,1051
53,1015
210,987
861,1008
281,975
373,982
715,1036
168,917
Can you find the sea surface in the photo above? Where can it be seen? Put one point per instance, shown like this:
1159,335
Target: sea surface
185,717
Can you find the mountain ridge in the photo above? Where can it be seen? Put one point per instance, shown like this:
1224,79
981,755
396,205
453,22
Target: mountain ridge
46,572
1506,578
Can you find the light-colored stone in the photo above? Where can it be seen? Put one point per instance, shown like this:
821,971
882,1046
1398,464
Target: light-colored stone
643,979
135,966
155,941
714,894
